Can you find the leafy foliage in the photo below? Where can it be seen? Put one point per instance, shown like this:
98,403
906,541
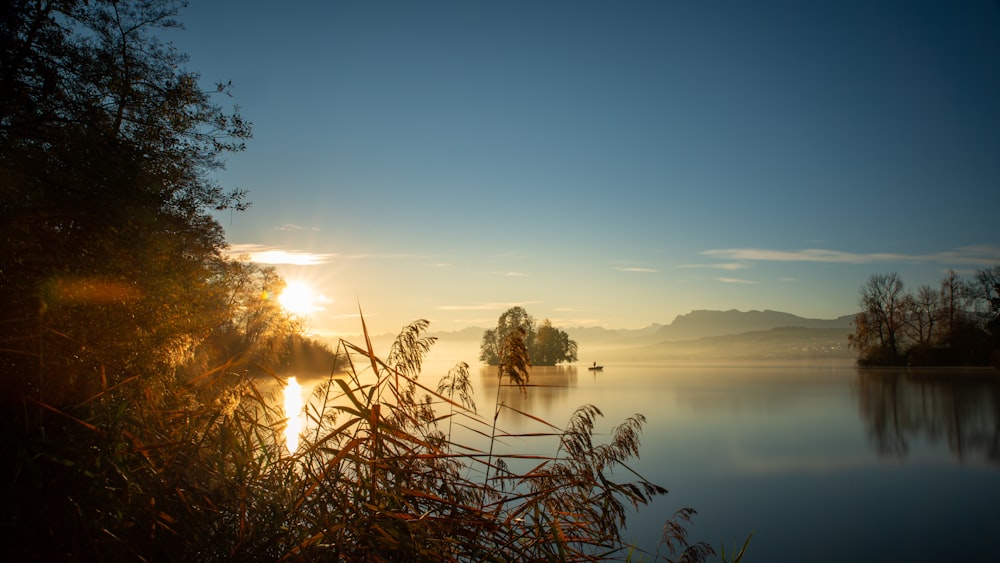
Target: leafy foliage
545,345
110,259
551,346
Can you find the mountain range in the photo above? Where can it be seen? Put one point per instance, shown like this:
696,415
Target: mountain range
702,335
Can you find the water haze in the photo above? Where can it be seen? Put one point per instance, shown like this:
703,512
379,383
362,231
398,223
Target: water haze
821,460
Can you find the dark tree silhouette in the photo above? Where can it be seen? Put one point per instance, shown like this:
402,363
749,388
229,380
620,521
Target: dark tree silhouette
551,346
958,325
112,273
545,344
878,325
110,258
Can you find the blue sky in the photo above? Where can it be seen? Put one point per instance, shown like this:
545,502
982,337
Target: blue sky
607,163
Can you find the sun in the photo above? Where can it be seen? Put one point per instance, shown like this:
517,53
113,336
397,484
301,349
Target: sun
298,298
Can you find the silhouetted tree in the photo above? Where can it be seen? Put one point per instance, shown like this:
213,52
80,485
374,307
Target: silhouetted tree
953,294
551,346
545,345
864,337
922,312
254,331
987,290
512,320
109,255
112,273
883,308
949,327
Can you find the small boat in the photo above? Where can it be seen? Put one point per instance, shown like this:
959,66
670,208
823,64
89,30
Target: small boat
595,367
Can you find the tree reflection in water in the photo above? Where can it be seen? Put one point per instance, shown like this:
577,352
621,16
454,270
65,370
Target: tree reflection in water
901,408
547,386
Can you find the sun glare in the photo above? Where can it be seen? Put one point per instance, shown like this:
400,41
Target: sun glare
293,412
298,299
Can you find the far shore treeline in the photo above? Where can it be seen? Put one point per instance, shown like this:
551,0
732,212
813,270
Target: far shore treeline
955,324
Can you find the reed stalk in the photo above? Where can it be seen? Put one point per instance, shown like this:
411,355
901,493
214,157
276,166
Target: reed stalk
197,470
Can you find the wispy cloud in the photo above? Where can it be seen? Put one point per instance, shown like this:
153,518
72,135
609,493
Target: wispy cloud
486,306
721,266
575,322
275,255
639,270
264,254
978,254
294,227
388,256
513,274
734,280
348,316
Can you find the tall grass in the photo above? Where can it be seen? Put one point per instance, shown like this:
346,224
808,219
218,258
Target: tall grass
199,471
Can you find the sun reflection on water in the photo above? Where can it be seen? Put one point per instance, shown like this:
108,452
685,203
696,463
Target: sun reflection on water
294,414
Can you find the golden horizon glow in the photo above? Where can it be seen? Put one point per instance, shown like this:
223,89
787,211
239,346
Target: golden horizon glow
293,413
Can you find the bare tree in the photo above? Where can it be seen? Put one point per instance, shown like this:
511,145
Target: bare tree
987,292
923,309
952,299
884,308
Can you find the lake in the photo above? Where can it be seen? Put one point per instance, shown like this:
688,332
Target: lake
822,462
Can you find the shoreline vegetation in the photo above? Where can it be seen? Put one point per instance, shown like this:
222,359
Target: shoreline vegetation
200,471
955,325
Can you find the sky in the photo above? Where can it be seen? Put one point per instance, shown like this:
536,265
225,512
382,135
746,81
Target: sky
605,163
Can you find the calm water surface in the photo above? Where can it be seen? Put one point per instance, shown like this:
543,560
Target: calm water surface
822,462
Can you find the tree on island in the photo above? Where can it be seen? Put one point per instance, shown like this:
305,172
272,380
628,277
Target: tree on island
958,324
546,344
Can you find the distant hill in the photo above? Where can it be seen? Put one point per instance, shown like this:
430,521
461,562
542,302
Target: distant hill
704,335
612,335
700,334
467,333
785,343
703,323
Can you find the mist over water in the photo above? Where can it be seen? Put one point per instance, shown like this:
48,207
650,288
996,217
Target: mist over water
822,461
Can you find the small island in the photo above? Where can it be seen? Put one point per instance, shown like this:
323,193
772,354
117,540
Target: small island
543,345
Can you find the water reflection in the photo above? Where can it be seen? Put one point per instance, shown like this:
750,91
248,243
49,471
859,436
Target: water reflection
294,414
902,407
548,388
